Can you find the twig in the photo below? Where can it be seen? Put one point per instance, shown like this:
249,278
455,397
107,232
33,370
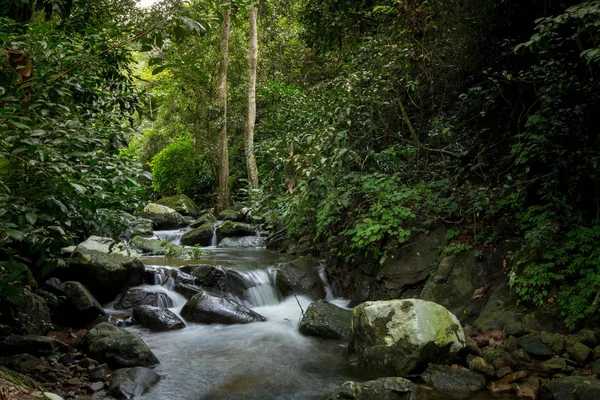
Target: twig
299,305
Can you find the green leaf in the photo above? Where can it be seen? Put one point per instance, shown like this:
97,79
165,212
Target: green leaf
160,69
31,218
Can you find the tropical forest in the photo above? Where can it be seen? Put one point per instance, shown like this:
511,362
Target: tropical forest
300,199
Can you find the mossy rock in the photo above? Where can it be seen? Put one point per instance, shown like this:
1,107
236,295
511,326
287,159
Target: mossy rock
234,229
380,389
147,245
25,312
201,236
327,320
182,204
163,217
234,215
16,385
207,218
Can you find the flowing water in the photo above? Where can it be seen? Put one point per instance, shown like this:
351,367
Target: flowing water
262,360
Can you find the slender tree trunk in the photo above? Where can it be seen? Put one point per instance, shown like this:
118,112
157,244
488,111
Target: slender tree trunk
223,200
251,119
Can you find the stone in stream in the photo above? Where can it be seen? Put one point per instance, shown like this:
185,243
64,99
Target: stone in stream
403,336
326,320
571,388
446,378
218,278
139,297
201,235
104,266
234,215
148,245
157,320
379,389
131,383
163,217
207,218
80,307
234,229
182,204
242,242
25,312
211,308
117,347
300,277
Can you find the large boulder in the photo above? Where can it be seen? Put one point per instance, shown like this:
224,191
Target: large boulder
242,242
207,218
300,277
148,245
571,388
80,307
235,215
105,267
379,389
211,308
139,297
199,236
31,344
131,383
403,336
163,217
157,319
234,229
25,312
326,320
118,348
182,204
452,379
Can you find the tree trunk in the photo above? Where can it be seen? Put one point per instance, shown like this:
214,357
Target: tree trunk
223,200
251,120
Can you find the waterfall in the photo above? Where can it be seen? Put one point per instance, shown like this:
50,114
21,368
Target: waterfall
328,291
213,241
260,289
172,236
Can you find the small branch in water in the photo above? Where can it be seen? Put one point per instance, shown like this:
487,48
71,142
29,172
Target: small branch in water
298,301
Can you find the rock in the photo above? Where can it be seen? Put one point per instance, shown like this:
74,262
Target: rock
498,358
514,328
209,308
94,387
31,344
535,347
199,236
555,341
147,245
511,344
139,297
554,365
163,218
242,242
481,366
578,351
595,367
586,336
596,353
207,276
379,389
131,383
526,393
451,379
234,229
25,312
502,372
326,320
80,307
157,320
24,362
117,347
571,388
105,267
207,218
233,215
510,378
401,336
100,372
54,285
87,363
300,277
471,346
182,204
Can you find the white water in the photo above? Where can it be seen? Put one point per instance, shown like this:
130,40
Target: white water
173,236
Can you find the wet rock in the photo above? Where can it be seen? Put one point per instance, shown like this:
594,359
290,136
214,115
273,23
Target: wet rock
234,215
578,351
31,344
554,365
380,389
210,308
535,347
201,236
243,242
182,204
80,307
207,218
25,363
148,245
326,320
479,365
514,328
117,347
99,373
105,267
450,379
139,297
571,388
163,217
510,378
401,336
300,277
25,312
157,320
498,358
234,229
207,276
131,383
502,372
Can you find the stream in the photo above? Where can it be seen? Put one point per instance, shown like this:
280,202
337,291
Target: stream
262,360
